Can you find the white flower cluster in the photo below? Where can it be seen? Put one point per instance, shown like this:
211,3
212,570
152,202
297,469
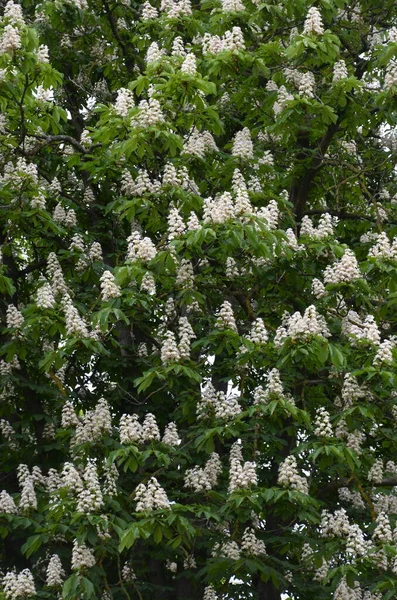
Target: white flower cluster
283,97
186,335
225,317
154,54
7,504
209,593
334,525
324,229
211,401
352,391
14,317
13,13
391,76
55,573
318,289
189,65
109,287
344,270
139,186
124,102
169,349
340,71
176,8
185,274
64,217
273,390
357,329
94,425
288,476
75,324
382,532
251,545
384,352
383,248
140,248
131,431
68,416
198,143
258,333
231,40
322,423
228,549
19,585
151,496
171,436
351,497
313,24
21,172
45,298
232,6
176,225
149,114
242,144
89,498
148,12
10,40
201,479
307,85
127,573
82,556
345,592
297,326
242,474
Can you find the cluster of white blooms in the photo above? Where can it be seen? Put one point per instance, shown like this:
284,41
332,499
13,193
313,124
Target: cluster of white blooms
224,407
127,573
64,217
68,416
19,585
274,388
318,289
344,270
186,335
130,429
82,556
148,284
322,423
7,504
218,210
307,85
242,144
242,474
200,479
10,40
383,248
231,40
89,499
171,436
356,544
391,75
95,424
225,317
70,478
111,477
45,297
382,531
345,592
109,287
228,549
232,5
209,593
74,323
334,525
169,349
283,97
231,268
270,214
189,65
13,13
140,247
324,229
20,173
151,496
351,497
297,326
14,317
150,430
384,353
250,544
176,8
149,114
351,390
313,24
28,497
148,12
258,333
288,476
154,54
198,143
340,71
176,225
55,573
124,102
357,329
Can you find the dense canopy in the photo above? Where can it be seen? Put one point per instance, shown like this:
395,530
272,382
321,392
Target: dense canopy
198,291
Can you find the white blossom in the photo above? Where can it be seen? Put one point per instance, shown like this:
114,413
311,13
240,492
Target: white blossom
313,23
82,556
